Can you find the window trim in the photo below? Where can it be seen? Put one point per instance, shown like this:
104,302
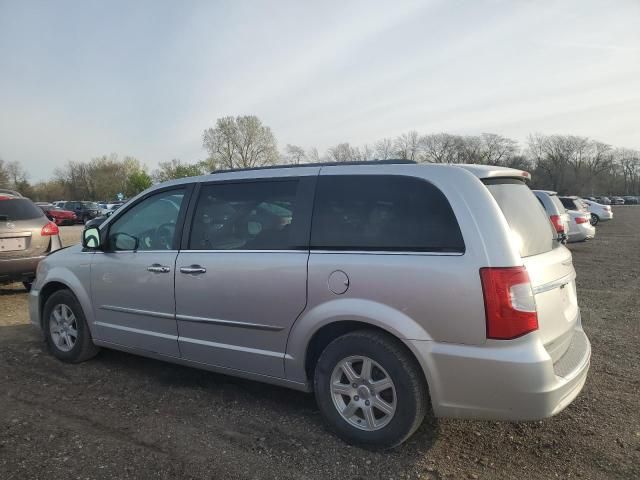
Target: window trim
390,250
188,194
305,191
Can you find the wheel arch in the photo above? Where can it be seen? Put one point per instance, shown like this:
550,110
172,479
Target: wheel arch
56,284
316,328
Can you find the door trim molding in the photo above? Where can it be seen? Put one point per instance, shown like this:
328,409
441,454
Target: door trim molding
136,330
229,323
137,311
237,348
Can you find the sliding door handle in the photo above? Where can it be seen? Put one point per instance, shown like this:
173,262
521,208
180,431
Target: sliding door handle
193,269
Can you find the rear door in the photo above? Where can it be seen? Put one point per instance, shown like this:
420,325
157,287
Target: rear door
548,263
241,277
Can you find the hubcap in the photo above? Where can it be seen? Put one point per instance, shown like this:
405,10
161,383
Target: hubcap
63,327
363,393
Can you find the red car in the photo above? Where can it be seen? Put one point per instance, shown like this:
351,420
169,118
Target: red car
57,215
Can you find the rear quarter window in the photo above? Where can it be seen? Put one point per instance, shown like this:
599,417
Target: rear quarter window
383,213
527,219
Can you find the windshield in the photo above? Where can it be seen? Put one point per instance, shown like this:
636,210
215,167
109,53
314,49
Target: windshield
90,205
529,223
18,209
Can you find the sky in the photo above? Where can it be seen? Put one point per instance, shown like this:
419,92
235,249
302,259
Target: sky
80,79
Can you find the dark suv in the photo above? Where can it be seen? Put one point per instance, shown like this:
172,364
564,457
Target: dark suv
84,211
26,236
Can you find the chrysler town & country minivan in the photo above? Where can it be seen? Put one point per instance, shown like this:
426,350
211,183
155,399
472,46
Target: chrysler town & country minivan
390,290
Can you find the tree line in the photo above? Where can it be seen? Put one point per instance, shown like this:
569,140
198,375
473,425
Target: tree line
565,163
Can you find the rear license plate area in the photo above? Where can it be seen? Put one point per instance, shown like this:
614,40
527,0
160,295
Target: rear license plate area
13,244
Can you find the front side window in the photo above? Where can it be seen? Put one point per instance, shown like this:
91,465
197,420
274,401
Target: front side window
383,212
148,225
245,216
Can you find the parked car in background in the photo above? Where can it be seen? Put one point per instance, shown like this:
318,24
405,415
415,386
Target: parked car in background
603,200
631,200
556,211
388,289
599,213
573,203
617,201
84,211
58,215
96,222
580,228
26,236
13,193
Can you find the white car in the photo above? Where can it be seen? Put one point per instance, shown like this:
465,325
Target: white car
599,212
580,228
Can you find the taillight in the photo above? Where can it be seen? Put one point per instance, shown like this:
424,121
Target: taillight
557,223
50,229
509,304
580,220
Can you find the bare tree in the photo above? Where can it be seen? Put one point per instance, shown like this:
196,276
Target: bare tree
240,142
367,152
313,155
496,149
295,154
344,152
384,149
439,148
407,145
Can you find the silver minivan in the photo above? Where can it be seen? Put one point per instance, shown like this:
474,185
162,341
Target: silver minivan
391,290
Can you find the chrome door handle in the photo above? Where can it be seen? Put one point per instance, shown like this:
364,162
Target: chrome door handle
193,269
157,268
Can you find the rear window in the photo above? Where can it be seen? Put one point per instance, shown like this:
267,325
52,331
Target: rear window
558,203
383,212
568,203
19,209
527,219
90,205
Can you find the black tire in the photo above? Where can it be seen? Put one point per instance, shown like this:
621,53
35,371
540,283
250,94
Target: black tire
594,219
83,348
412,397
27,285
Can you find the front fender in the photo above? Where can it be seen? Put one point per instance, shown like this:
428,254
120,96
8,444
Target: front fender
378,315
78,281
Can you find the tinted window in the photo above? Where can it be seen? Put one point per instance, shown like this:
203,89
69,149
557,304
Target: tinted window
383,212
568,203
532,231
245,216
19,209
150,224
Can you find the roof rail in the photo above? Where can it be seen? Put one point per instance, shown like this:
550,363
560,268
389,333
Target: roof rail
320,164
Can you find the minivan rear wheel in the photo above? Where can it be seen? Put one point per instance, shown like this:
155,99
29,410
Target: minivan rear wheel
65,328
370,389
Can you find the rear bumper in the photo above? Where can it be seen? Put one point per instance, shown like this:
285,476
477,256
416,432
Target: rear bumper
510,380
583,231
19,269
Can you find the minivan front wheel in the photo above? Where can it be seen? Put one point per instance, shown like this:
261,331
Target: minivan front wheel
370,389
65,328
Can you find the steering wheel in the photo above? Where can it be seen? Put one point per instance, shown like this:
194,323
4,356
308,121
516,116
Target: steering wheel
163,236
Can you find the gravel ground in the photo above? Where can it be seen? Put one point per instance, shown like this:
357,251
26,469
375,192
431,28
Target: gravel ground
121,416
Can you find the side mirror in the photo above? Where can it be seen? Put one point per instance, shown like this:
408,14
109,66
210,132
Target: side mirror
123,241
91,238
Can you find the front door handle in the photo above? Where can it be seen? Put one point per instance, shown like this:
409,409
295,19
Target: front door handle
193,269
157,268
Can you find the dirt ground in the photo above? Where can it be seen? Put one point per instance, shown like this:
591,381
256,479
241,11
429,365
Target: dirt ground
121,416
